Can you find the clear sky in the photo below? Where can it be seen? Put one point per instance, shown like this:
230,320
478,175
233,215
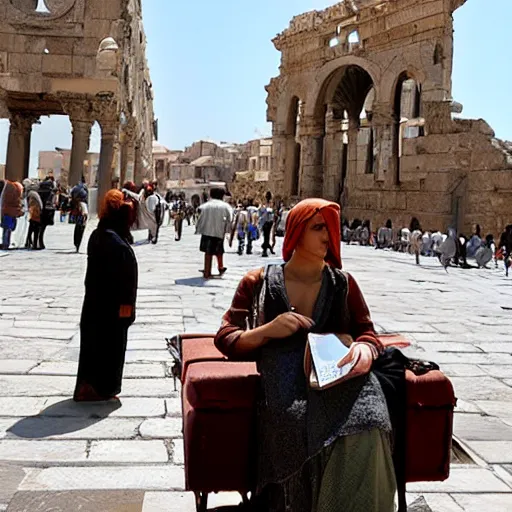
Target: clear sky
211,60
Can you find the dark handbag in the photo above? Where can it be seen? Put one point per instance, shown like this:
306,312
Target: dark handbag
420,400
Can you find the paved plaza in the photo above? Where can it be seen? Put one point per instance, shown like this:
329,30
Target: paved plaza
60,456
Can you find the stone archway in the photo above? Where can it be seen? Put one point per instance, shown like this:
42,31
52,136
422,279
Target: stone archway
330,132
327,78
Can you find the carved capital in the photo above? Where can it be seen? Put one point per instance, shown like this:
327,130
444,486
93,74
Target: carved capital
106,112
78,109
105,108
21,123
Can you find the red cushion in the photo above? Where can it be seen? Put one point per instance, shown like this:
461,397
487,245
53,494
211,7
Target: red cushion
222,385
220,449
197,350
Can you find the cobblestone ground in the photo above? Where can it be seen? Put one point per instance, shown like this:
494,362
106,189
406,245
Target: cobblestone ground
55,455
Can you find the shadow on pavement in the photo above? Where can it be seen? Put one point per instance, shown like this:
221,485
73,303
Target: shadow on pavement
197,282
63,418
138,243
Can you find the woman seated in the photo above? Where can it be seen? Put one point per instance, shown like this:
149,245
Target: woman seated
325,450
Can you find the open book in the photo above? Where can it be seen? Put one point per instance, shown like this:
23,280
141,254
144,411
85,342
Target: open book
327,350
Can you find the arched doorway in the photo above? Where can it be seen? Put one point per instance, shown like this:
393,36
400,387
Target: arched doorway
346,108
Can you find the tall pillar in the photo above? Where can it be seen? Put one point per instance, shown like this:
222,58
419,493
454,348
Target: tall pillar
383,121
18,148
278,175
81,116
138,170
109,130
79,149
126,153
312,134
333,153
351,178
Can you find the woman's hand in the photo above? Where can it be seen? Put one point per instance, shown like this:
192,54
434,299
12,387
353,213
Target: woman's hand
361,356
287,324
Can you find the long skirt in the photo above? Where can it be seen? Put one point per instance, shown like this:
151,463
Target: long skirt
102,356
355,474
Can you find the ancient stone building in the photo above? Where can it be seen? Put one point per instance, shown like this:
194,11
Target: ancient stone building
363,114
85,59
252,180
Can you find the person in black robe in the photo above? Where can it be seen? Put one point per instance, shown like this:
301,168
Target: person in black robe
109,304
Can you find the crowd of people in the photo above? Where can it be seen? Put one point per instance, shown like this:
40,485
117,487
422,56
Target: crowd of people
28,208
451,248
333,450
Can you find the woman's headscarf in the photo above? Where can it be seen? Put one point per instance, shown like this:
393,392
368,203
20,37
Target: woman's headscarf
116,213
296,223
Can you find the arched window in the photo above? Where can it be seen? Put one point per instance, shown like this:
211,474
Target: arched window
353,40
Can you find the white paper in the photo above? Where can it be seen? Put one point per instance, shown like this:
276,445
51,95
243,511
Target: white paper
327,350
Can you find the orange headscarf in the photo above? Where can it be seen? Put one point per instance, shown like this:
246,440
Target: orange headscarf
115,206
297,220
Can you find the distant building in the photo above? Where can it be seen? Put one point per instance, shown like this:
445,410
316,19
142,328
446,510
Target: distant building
252,181
2,171
243,169
57,163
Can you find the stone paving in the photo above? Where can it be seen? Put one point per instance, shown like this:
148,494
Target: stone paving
60,456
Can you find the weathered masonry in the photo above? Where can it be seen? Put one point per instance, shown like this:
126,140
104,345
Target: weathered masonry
85,59
362,114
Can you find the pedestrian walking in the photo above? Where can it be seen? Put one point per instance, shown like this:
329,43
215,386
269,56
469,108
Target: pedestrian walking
109,303
11,208
79,211
35,209
416,238
266,222
241,228
154,206
213,224
178,212
47,192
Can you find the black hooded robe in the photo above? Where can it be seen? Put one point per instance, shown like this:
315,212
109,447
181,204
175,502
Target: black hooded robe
111,282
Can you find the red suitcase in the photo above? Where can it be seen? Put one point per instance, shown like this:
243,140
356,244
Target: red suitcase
219,397
430,404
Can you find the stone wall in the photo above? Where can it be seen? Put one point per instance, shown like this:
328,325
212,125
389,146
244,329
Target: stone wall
393,60
85,59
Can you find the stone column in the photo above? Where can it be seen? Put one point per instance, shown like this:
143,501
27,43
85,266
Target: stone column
109,130
353,132
81,117
383,121
107,115
278,180
18,148
79,149
126,152
332,157
138,170
312,134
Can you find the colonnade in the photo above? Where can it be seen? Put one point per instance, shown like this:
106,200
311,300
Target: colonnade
82,115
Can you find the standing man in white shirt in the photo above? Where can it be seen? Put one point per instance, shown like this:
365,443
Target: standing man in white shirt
214,223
